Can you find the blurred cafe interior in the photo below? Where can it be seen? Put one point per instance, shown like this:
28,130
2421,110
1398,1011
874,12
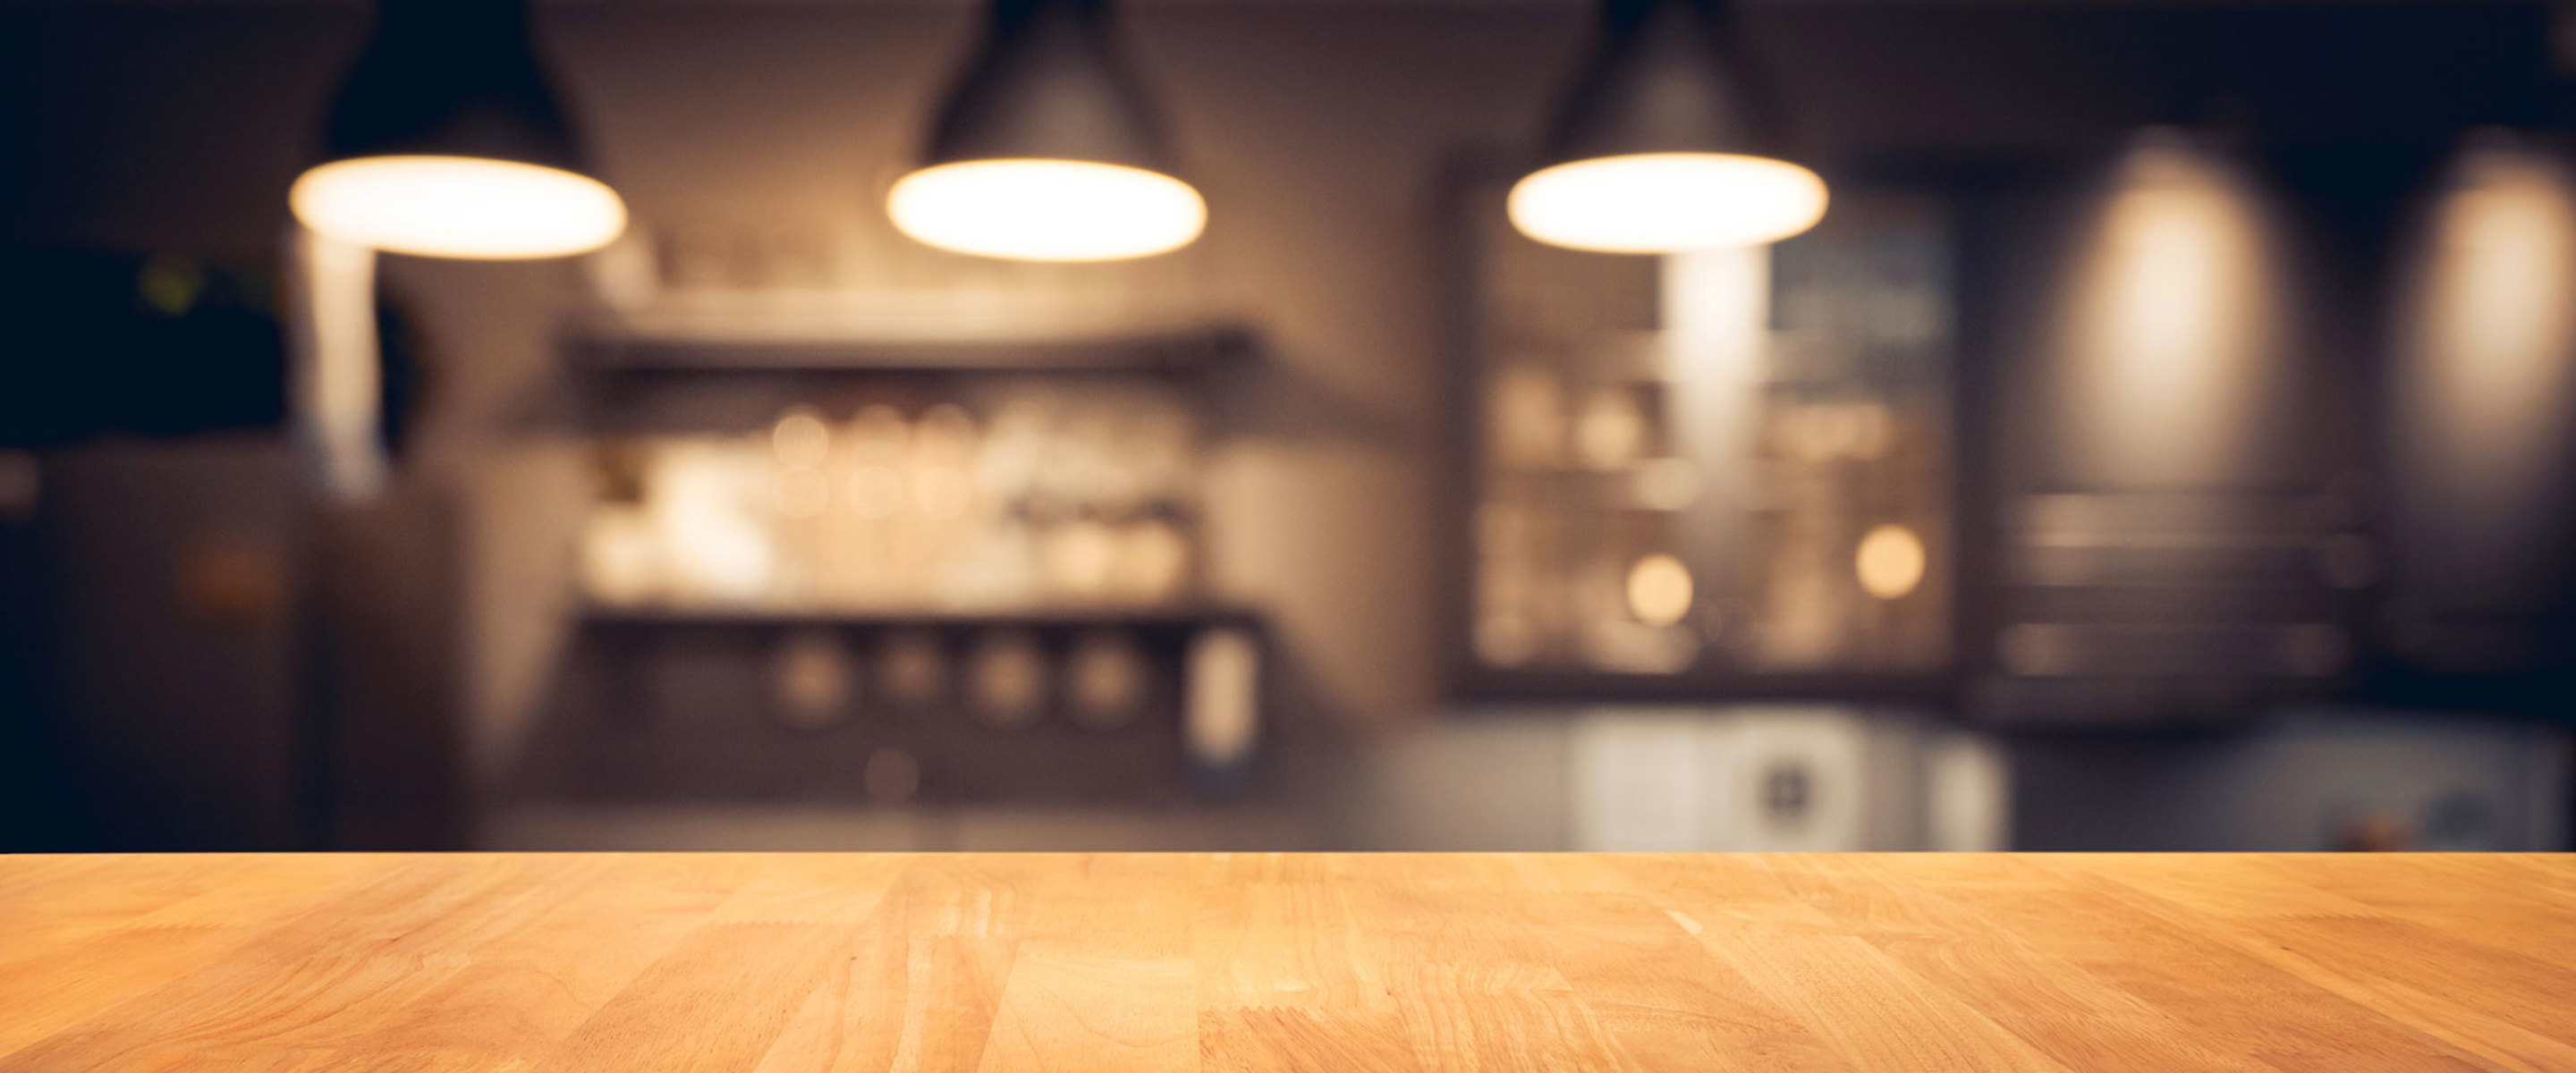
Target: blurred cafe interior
1287,424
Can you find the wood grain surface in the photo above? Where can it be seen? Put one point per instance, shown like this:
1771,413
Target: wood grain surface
1139,963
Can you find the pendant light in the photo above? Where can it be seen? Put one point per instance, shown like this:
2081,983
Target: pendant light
446,141
1047,150
1664,144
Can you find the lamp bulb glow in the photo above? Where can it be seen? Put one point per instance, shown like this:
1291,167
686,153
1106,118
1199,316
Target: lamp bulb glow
1890,561
1659,590
455,206
1047,210
1667,202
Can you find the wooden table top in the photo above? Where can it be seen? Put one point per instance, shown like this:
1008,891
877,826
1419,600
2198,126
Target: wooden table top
1138,963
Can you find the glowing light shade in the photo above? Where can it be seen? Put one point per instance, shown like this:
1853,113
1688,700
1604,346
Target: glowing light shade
1047,210
1667,202
453,206
447,141
1665,144
1047,149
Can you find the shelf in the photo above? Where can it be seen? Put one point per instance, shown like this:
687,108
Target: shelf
1702,684
740,344
1175,616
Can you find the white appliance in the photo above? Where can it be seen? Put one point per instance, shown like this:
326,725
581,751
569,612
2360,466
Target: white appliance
1743,777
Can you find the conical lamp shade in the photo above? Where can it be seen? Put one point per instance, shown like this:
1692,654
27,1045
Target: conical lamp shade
447,141
1665,144
1047,149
